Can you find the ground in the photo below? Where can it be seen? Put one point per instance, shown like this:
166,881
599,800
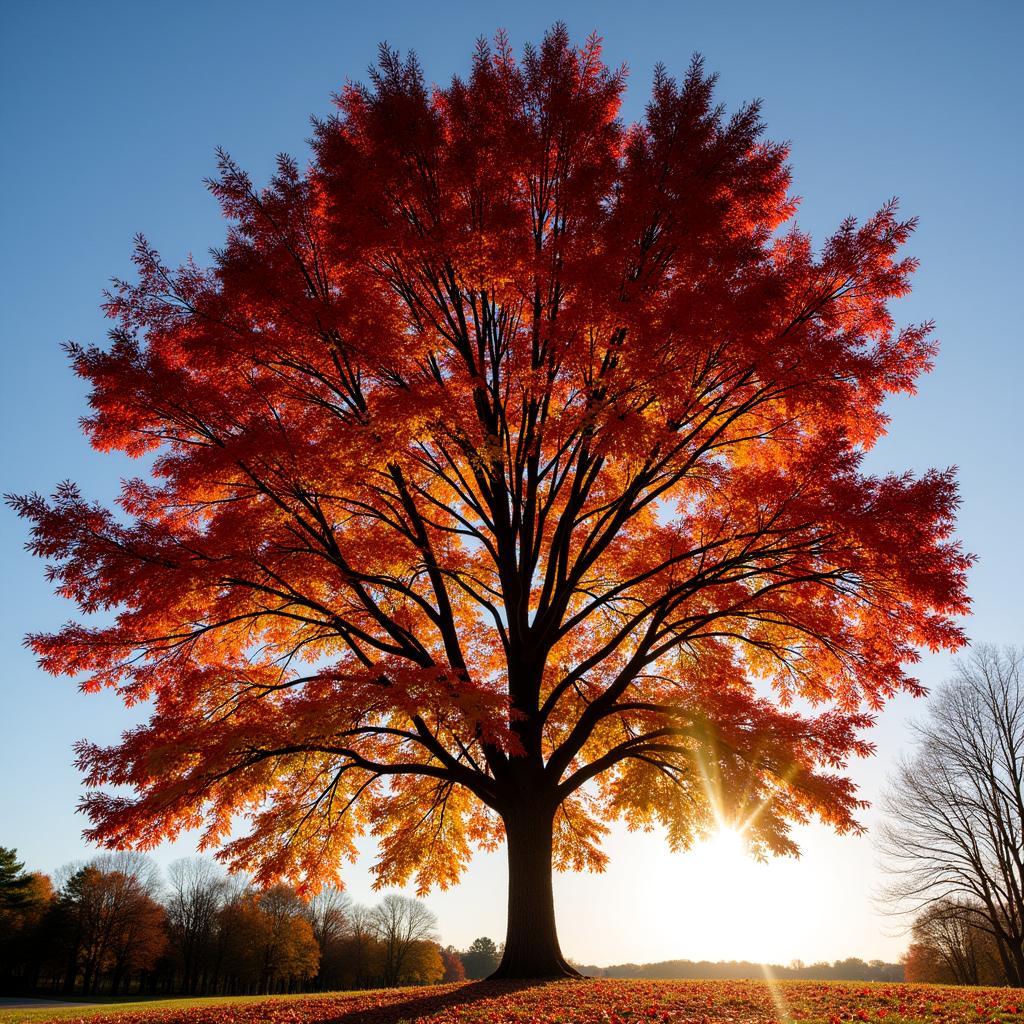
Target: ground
600,1001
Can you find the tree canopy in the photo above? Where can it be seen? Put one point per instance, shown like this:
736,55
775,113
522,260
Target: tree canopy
505,478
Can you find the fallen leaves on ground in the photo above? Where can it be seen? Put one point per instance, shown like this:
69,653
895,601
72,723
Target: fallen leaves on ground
607,1001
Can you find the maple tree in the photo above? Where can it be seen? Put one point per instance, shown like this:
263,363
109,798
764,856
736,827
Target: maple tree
110,921
276,942
505,479
451,964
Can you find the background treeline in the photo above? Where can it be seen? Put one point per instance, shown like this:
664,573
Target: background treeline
113,926
852,969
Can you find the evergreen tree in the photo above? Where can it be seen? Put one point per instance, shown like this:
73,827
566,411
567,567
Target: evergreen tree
15,882
482,958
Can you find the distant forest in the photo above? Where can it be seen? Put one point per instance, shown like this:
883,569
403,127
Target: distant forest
117,926
852,969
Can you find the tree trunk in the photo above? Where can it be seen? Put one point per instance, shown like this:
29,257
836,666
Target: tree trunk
531,940
70,976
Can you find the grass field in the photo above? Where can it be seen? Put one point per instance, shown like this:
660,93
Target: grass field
137,1009
600,1001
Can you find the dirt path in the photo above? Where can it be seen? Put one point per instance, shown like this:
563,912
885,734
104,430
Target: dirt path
24,1003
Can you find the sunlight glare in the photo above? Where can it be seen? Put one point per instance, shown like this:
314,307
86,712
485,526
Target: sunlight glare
726,846
739,919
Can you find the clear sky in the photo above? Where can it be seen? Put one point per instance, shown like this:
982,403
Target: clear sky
109,114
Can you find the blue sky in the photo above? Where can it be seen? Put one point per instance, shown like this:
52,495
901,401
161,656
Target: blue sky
109,114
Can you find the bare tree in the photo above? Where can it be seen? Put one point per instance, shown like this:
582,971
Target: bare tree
956,934
360,953
139,867
956,807
402,923
196,891
328,914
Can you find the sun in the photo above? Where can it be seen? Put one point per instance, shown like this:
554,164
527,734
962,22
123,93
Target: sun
727,896
722,861
726,846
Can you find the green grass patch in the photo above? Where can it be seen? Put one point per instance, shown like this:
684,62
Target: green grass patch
101,1005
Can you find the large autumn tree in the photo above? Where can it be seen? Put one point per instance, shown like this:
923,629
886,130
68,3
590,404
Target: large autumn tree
504,479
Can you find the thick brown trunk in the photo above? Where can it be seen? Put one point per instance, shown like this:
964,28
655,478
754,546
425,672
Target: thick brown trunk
531,940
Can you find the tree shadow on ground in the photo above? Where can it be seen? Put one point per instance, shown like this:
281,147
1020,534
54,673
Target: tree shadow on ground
414,1007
